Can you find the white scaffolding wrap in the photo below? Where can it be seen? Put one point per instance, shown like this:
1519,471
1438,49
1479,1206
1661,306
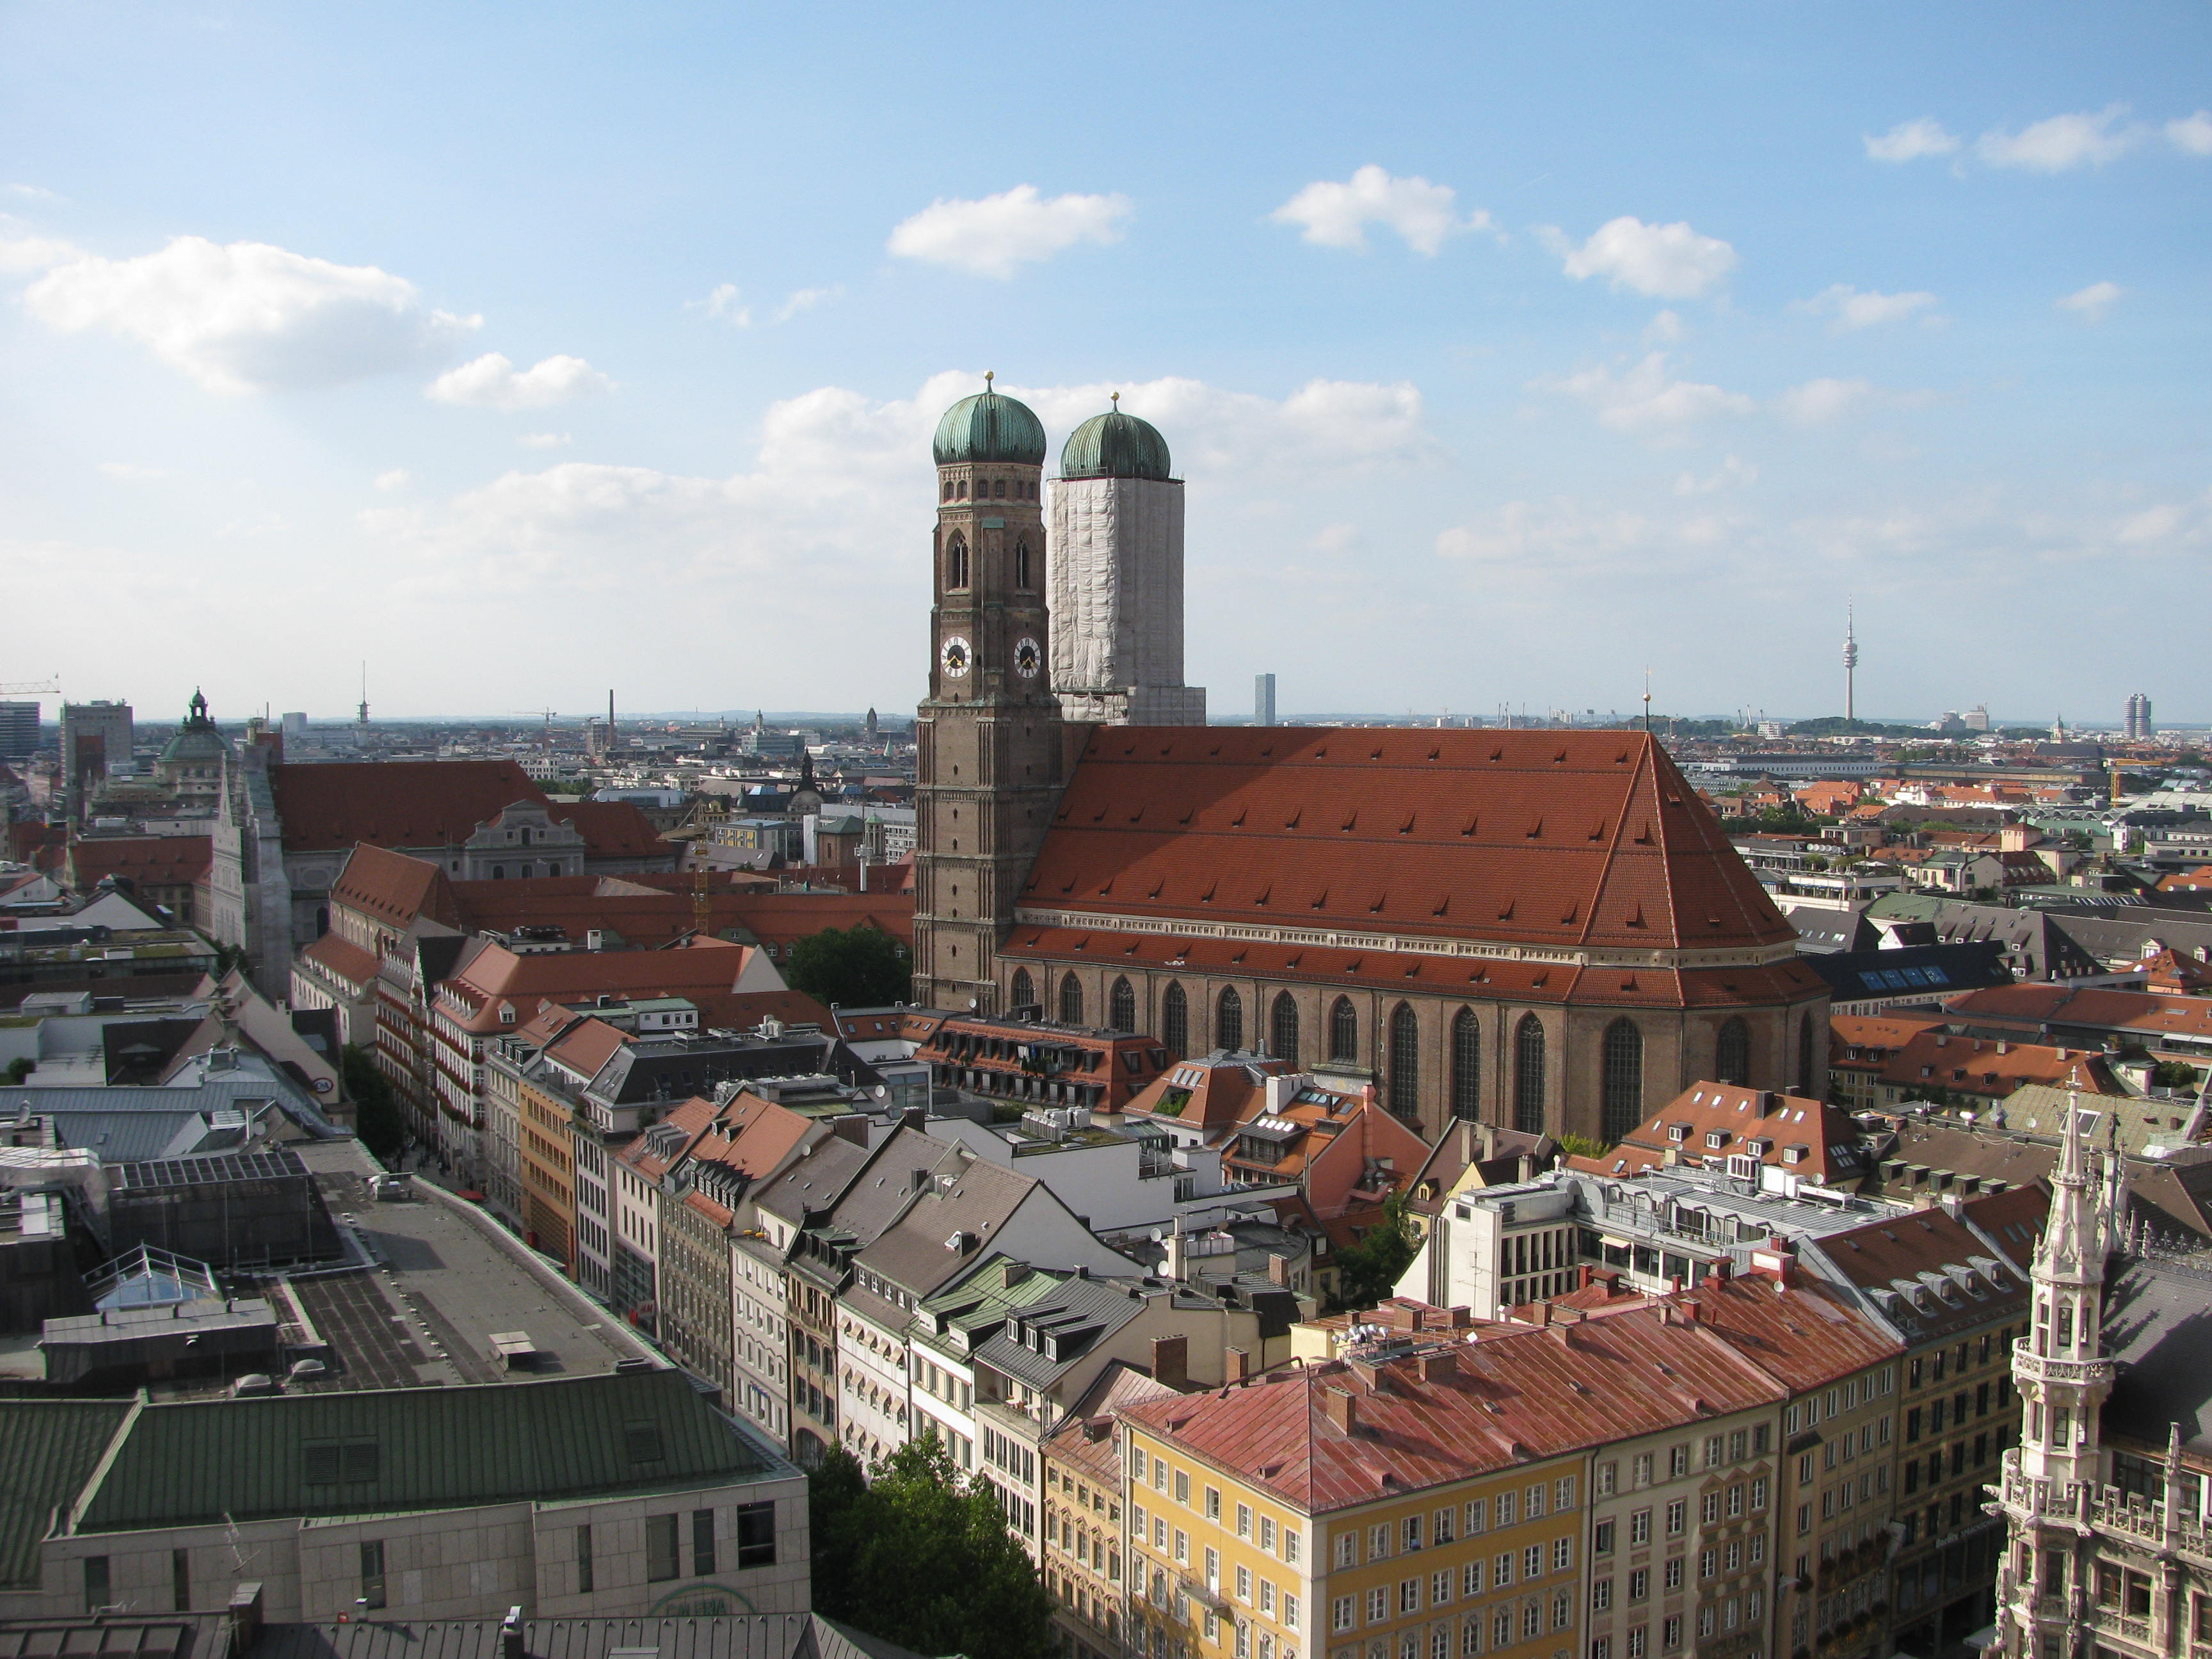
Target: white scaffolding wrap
1113,561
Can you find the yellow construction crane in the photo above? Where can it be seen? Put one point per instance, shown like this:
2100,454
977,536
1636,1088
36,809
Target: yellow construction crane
52,688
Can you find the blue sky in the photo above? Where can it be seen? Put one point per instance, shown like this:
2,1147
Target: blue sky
1508,351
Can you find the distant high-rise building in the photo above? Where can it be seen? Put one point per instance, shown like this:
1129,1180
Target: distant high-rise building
1263,699
2139,724
296,729
96,739
19,730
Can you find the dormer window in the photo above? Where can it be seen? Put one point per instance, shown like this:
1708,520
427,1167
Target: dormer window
1716,1139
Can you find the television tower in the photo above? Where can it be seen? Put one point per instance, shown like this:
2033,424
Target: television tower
1850,666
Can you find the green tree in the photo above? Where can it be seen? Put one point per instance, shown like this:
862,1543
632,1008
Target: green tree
1574,1145
860,966
920,1556
20,1067
376,1112
1370,1270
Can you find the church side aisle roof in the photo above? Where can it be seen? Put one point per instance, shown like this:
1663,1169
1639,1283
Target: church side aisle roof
1552,839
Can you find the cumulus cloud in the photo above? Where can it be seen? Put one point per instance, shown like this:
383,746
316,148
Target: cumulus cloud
397,477
2061,143
1908,141
1338,214
544,440
491,381
248,316
23,253
1816,401
2192,134
1664,329
996,235
31,193
725,303
1850,307
1645,401
2090,303
1733,473
805,300
1668,262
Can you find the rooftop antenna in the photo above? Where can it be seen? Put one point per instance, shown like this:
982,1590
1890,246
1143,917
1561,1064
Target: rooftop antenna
362,717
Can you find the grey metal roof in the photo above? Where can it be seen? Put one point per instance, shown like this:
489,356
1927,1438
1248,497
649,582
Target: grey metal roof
947,1224
2158,1326
248,1089
758,1636
1057,1330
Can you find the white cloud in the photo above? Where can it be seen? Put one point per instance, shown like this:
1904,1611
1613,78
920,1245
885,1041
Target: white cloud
544,440
726,303
131,472
1852,308
1908,141
1732,474
805,299
2192,134
248,316
2061,143
2091,303
21,253
1669,262
1337,216
397,478
1335,538
1816,401
993,236
491,381
31,193
1664,329
1643,400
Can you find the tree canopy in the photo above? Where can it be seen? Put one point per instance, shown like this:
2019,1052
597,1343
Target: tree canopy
860,966
1370,1270
922,1557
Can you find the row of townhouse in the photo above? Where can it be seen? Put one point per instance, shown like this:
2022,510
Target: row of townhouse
1617,1480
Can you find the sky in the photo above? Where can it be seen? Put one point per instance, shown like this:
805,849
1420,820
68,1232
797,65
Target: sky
1509,352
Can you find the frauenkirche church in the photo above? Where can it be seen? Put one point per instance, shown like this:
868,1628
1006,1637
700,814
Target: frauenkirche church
1540,929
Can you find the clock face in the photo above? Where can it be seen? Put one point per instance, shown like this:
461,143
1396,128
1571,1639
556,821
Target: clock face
1029,657
955,657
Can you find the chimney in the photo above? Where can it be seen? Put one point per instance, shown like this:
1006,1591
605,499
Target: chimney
1237,1364
1343,1409
1469,1141
1689,1309
510,1635
1172,1269
1437,1365
1279,1268
245,1616
1489,1142
1527,1167
1172,1360
1543,1313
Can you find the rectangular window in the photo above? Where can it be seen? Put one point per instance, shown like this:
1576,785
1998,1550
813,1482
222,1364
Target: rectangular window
1441,1527
1532,1502
1160,1534
1341,1614
1182,1546
1501,1628
1478,1510
702,1543
1532,1619
372,1573
1244,1586
1674,1574
1639,1529
1505,1509
1243,1520
1378,1540
1159,1475
1347,1547
1532,1561
1678,1516
1378,1604
1678,1462
1607,1474
1601,1596
1470,1637
1267,1597
1708,1563
583,1560
96,1583
756,1535
1563,1494
1563,1554
1670,1634
1601,1538
1636,1643
1268,1534
1470,1579
1639,1584
1409,1595
180,1580
1290,1612
1709,1508
1213,1503
660,1562
1501,1571
1137,1464
1601,1648
1563,1609
1182,1487
1759,1494
1440,1588
1213,1569
1713,1451
1412,1531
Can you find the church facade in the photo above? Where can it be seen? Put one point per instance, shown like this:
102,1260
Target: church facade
1543,930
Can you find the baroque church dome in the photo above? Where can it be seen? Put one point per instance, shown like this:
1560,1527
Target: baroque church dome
197,739
989,426
1114,445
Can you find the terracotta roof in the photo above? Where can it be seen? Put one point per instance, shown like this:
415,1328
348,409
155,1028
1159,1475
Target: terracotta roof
1811,1137
394,803
342,959
146,860
1988,1067
612,828
394,889
589,1047
1874,1032
1894,1253
1559,838
496,975
1211,1092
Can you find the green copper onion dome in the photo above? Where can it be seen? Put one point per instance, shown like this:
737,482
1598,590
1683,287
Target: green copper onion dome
1114,445
989,426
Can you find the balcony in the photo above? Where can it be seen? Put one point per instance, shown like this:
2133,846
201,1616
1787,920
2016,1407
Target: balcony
2111,1619
2077,1373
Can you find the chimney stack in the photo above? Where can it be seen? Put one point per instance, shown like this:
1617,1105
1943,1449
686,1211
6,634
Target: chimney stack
1238,1365
510,1635
1173,1268
1343,1409
1172,1360
1279,1268
245,1616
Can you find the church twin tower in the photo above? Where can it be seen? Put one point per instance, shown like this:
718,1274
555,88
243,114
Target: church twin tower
1032,635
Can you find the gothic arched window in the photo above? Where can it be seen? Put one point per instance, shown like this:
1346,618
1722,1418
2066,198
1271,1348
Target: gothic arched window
1122,1007
1071,1000
1621,1105
1228,1020
1282,1029
955,562
1466,1066
1343,1030
1805,1056
1175,1022
1732,1054
1405,1060
1024,990
1022,564
1529,1075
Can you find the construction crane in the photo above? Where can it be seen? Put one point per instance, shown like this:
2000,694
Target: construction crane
550,716
52,688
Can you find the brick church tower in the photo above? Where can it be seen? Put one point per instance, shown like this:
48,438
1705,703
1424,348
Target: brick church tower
989,736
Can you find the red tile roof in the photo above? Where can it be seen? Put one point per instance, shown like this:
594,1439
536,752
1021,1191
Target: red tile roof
1556,838
145,860
1986,1066
394,889
2150,1012
612,828
1811,1139
342,959
394,803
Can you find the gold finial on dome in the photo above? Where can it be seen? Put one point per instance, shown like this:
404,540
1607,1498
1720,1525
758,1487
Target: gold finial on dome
989,374
1116,400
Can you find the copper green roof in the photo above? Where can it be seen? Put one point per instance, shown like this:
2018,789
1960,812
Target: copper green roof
989,426
1114,445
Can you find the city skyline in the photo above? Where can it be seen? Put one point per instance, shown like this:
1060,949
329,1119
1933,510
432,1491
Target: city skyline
1503,386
